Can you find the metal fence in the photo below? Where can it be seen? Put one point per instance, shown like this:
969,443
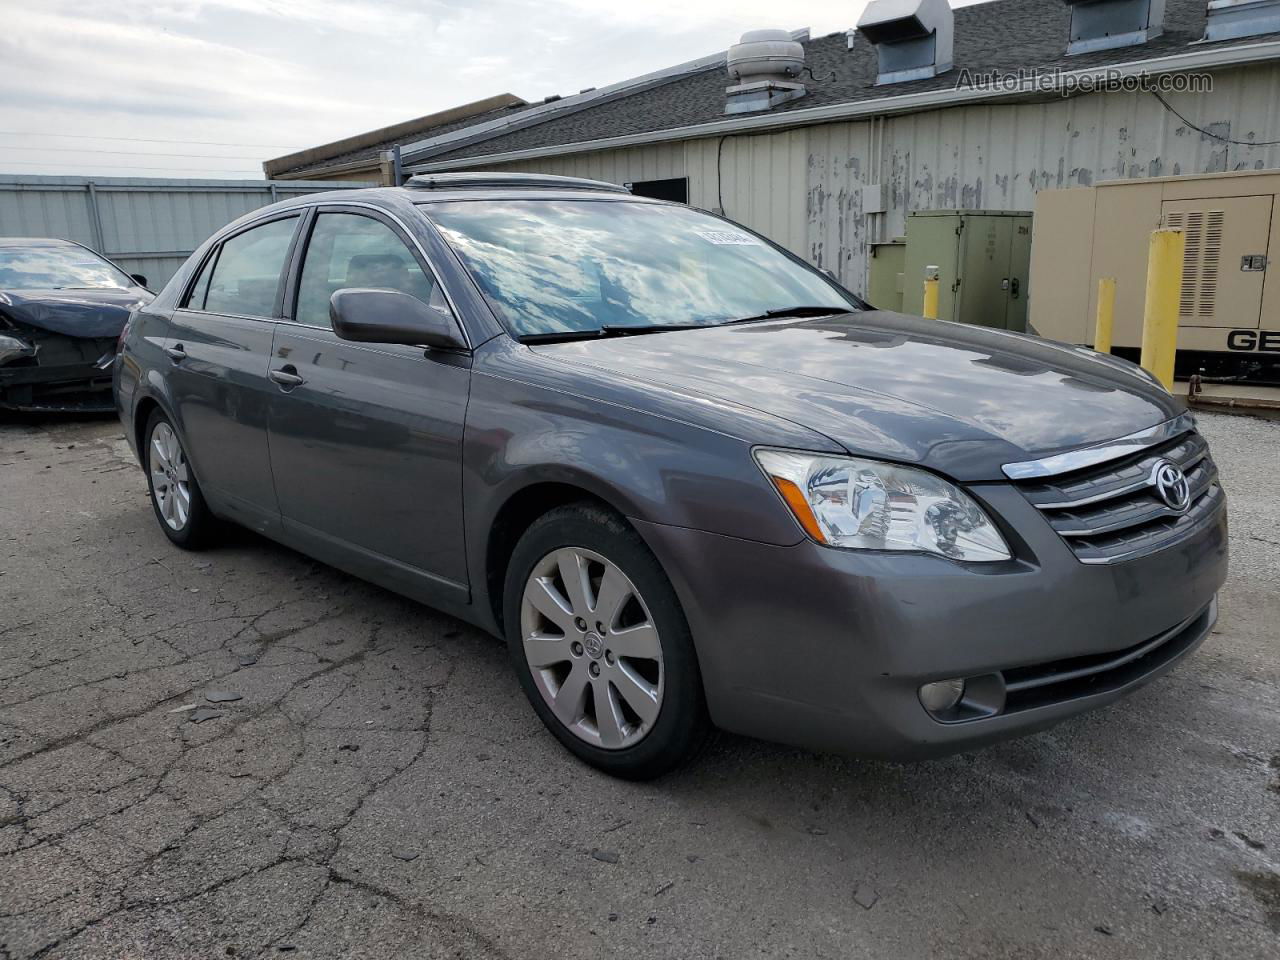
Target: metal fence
146,225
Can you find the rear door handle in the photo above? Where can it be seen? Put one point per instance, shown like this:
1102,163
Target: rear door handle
286,376
177,353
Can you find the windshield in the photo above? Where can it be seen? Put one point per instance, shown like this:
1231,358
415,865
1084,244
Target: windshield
57,268
560,266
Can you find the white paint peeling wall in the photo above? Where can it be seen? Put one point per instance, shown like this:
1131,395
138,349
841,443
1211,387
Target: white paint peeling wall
803,188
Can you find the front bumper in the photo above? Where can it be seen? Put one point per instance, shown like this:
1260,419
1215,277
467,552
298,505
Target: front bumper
65,374
827,649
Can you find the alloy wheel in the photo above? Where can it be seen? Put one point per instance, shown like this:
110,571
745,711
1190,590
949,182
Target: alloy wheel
170,478
592,648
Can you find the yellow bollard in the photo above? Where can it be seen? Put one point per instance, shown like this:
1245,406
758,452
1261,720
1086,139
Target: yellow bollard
1164,291
1106,314
931,292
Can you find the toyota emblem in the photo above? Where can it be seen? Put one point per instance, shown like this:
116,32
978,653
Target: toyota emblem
1171,484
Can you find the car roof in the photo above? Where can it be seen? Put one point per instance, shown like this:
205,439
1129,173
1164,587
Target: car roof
478,185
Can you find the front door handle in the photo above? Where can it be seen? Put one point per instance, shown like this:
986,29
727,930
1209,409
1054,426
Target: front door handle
286,376
177,353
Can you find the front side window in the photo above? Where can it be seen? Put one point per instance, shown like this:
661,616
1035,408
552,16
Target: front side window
350,250
58,268
566,266
246,276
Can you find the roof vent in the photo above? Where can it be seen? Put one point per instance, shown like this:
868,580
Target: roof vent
766,65
913,38
1107,24
1229,19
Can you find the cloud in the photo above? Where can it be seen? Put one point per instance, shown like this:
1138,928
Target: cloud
295,73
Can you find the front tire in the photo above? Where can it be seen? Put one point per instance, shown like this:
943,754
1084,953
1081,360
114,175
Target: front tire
175,495
601,646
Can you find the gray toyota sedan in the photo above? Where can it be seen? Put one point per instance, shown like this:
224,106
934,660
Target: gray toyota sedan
692,481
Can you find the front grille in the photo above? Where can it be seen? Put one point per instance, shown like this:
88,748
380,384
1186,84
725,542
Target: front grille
1112,512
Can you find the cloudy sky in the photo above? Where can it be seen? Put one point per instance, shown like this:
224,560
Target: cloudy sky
204,88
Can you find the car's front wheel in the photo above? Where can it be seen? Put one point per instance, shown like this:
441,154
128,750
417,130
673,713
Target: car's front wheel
175,495
600,644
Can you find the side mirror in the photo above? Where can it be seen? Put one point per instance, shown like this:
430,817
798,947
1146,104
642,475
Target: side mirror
389,316
139,279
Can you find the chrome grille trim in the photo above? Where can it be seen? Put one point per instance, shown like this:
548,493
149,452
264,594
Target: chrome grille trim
1111,512
1201,512
1132,486
1097,523
1073,460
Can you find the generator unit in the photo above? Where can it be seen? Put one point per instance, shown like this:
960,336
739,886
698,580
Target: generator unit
983,259
1229,311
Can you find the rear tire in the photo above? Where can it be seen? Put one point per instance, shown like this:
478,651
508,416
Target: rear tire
175,495
614,675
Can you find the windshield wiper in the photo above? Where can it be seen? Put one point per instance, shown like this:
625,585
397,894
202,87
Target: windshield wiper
631,330
780,312
609,330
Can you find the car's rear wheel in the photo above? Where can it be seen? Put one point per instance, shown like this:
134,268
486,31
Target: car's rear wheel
600,644
175,495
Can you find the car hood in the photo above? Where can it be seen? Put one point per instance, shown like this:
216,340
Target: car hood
961,400
74,313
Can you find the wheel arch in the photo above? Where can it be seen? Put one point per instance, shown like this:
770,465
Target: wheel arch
147,403
142,412
521,508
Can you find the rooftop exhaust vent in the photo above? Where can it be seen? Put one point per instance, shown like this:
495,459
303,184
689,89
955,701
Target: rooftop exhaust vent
913,38
766,65
1107,24
1229,19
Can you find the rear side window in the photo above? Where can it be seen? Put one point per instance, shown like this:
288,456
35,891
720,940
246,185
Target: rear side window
201,289
349,250
247,273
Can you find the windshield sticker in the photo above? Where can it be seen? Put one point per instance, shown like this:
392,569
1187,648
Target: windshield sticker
730,237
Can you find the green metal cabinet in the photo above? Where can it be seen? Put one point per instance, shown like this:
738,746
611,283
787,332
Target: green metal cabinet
983,258
884,285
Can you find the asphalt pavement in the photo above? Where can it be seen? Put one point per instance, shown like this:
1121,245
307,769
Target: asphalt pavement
242,752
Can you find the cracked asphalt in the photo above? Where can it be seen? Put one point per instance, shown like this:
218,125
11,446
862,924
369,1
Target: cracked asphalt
381,787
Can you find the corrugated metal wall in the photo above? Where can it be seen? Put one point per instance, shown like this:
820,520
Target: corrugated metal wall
804,188
147,226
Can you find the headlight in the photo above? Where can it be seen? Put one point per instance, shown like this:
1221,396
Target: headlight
11,348
867,505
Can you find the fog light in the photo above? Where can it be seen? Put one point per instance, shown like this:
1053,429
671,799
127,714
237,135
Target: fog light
941,696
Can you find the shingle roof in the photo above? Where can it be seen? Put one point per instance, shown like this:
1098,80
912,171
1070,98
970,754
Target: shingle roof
375,150
991,36
402,133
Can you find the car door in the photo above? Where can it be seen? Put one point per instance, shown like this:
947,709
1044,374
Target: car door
219,345
366,438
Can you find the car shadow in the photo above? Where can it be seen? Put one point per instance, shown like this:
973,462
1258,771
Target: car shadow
53,418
